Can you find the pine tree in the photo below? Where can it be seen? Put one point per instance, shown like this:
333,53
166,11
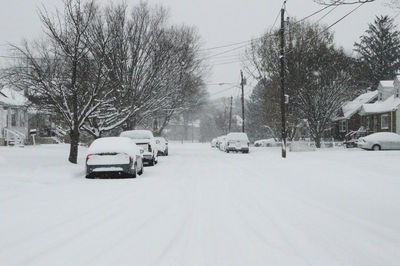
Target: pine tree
379,51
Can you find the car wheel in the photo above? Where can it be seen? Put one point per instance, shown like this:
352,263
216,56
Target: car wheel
151,163
141,171
134,174
376,147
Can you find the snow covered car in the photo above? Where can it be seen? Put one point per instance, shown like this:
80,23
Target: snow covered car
162,146
145,140
113,157
214,143
237,141
265,143
380,141
222,143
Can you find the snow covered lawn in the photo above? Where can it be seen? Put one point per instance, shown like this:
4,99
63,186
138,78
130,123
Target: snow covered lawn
200,206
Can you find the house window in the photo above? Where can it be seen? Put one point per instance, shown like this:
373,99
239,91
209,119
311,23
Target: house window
13,118
342,126
385,121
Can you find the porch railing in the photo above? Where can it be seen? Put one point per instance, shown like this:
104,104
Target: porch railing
14,137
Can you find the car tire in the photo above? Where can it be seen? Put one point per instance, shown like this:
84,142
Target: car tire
141,171
151,163
376,147
134,174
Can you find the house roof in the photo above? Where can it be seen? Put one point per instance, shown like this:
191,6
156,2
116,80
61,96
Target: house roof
11,97
390,104
386,83
352,107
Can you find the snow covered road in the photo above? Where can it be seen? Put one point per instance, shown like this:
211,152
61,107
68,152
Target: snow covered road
200,206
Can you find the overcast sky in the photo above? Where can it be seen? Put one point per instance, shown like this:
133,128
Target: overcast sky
219,22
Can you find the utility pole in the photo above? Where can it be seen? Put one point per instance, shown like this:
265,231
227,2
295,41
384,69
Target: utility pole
242,83
230,115
282,60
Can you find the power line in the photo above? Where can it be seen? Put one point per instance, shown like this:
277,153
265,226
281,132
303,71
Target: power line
331,25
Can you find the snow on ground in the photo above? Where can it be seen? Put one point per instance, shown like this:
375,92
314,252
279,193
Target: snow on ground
200,206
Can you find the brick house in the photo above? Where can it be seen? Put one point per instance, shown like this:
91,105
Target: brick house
384,114
348,119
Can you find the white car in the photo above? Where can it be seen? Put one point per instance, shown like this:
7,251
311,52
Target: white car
162,146
113,157
380,141
222,143
265,143
214,143
145,140
237,141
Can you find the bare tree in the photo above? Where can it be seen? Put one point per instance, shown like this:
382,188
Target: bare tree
61,73
318,77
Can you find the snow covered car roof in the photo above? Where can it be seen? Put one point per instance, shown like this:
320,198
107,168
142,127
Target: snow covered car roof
237,136
137,134
114,144
382,136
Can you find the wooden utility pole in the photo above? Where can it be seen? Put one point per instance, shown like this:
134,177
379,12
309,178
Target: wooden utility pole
242,83
282,60
230,115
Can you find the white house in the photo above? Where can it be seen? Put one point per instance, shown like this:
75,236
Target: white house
13,117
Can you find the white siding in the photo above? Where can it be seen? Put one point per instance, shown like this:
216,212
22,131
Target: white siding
398,121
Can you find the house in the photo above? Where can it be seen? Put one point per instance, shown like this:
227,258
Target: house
348,119
384,114
13,117
17,120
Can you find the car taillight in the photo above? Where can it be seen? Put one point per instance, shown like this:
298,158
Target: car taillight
150,150
130,158
87,158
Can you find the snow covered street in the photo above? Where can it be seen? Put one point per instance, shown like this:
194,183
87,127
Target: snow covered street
200,206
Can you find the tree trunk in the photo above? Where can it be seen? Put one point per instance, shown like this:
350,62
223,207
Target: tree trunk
73,152
185,126
317,140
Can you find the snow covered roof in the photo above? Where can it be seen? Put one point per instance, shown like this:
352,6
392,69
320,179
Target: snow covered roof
386,83
352,107
12,97
390,104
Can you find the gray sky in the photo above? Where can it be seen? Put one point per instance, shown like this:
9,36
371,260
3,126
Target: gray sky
219,22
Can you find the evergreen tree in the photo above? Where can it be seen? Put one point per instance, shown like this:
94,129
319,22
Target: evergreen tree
379,51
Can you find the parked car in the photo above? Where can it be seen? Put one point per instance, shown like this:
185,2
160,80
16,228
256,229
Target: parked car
214,143
145,140
113,157
237,141
162,146
265,143
352,138
222,143
380,141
